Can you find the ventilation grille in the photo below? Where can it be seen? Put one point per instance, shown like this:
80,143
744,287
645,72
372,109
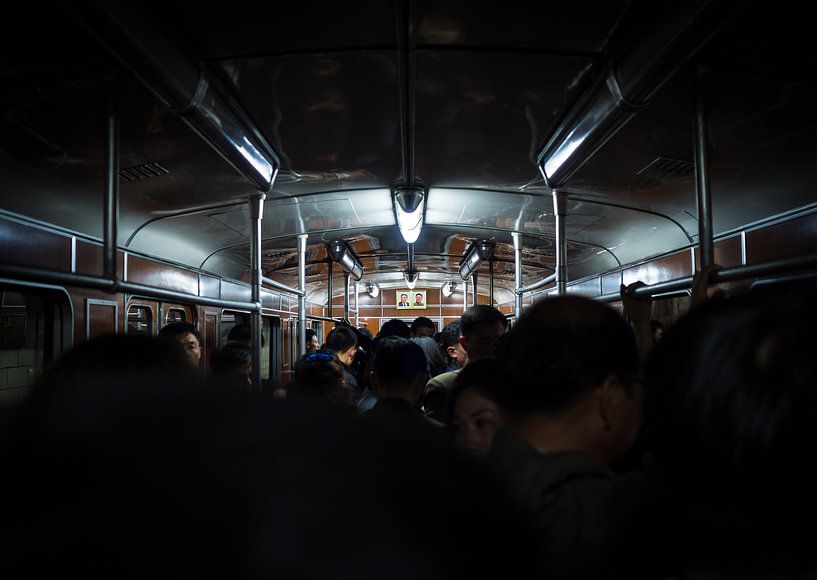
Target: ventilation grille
661,170
143,171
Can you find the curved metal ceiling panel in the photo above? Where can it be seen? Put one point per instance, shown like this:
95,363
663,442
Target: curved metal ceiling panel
471,102
332,118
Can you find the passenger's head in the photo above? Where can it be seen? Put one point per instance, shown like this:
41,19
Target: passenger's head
342,342
473,415
398,369
449,342
418,298
569,355
403,298
311,340
422,326
394,327
732,407
319,378
436,363
481,326
233,359
187,335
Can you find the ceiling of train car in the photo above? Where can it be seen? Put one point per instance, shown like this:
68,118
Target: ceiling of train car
490,82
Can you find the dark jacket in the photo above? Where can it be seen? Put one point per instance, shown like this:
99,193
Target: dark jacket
589,522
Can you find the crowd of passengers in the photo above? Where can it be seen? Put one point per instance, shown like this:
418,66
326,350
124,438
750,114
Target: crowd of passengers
580,443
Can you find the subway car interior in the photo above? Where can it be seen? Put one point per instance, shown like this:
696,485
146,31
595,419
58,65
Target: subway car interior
295,166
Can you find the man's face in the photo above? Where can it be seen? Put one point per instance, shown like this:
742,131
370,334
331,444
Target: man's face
347,356
418,298
192,347
313,345
480,343
404,298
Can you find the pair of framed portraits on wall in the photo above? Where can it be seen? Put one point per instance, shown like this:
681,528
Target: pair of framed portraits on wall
410,299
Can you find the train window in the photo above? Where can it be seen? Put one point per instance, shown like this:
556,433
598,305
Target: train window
175,315
140,320
24,340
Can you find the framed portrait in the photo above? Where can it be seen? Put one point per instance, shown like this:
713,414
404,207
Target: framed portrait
410,299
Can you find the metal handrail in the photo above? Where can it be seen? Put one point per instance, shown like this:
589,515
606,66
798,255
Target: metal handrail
733,274
112,286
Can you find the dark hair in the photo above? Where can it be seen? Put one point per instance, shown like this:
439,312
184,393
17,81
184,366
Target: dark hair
340,339
242,333
421,322
732,408
480,314
230,358
435,360
397,361
395,327
309,334
484,376
319,377
449,336
177,329
562,348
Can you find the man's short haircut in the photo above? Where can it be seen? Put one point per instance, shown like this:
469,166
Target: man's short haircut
309,334
421,322
230,358
450,335
242,333
562,348
394,327
341,339
177,329
480,314
397,361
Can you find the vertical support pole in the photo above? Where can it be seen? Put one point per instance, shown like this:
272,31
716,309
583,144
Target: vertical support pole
702,191
302,298
517,275
256,215
491,281
465,295
474,279
560,209
111,209
329,289
357,305
346,278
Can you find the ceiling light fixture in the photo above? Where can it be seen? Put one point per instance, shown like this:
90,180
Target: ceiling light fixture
448,288
341,253
479,251
409,206
411,279
373,289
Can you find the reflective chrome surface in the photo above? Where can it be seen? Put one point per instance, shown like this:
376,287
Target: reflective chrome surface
320,84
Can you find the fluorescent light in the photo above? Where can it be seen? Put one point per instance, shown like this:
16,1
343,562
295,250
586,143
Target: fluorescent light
373,289
409,203
411,281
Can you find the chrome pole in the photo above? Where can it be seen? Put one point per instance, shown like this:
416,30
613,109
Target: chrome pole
559,208
517,274
702,189
302,296
256,214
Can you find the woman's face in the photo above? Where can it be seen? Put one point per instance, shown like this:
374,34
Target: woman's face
476,418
